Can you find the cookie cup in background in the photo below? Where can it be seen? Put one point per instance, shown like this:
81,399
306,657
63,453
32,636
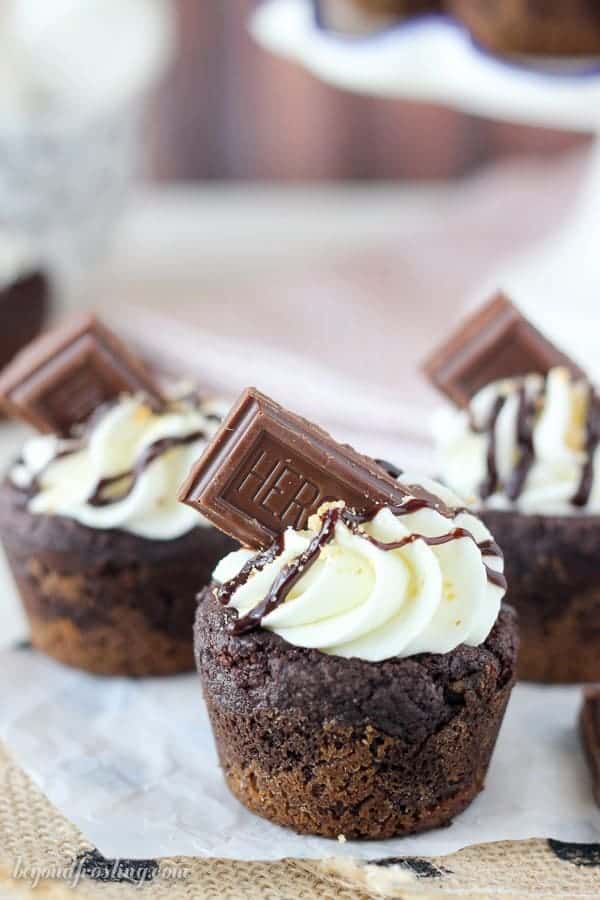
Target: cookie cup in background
105,560
560,28
329,714
526,451
553,571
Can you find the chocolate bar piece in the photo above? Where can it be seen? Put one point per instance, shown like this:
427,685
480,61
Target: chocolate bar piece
589,723
267,469
496,342
60,379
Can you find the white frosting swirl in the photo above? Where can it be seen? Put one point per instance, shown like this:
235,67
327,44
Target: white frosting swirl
145,505
359,600
560,406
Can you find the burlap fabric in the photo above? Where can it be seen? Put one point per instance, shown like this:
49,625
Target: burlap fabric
38,844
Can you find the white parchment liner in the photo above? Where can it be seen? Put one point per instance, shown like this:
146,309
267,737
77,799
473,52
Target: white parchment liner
132,763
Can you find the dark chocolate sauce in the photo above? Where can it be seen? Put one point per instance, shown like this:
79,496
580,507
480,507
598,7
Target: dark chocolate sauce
490,548
453,535
487,547
289,576
427,501
66,448
82,431
151,453
254,564
489,485
525,424
592,441
526,451
293,571
433,502
496,578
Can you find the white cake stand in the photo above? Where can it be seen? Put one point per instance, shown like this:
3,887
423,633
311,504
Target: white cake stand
432,58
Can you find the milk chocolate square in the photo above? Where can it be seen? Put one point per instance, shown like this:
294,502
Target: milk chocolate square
60,379
267,469
495,342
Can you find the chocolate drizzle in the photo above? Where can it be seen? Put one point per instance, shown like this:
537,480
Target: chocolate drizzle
525,424
490,484
526,416
592,441
254,564
490,548
289,576
154,451
291,573
81,434
66,447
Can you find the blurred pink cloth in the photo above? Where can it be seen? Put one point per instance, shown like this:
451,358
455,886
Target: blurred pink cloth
343,342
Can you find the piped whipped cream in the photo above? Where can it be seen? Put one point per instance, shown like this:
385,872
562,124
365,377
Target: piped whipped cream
416,578
529,443
125,470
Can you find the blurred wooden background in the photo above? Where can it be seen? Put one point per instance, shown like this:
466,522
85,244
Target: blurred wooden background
229,110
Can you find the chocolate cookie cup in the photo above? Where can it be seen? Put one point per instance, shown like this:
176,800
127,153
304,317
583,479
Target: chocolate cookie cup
332,746
357,667
539,497
106,560
106,601
556,28
554,583
525,450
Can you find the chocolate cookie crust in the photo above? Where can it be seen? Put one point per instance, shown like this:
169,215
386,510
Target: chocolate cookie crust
553,572
108,601
552,28
333,746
